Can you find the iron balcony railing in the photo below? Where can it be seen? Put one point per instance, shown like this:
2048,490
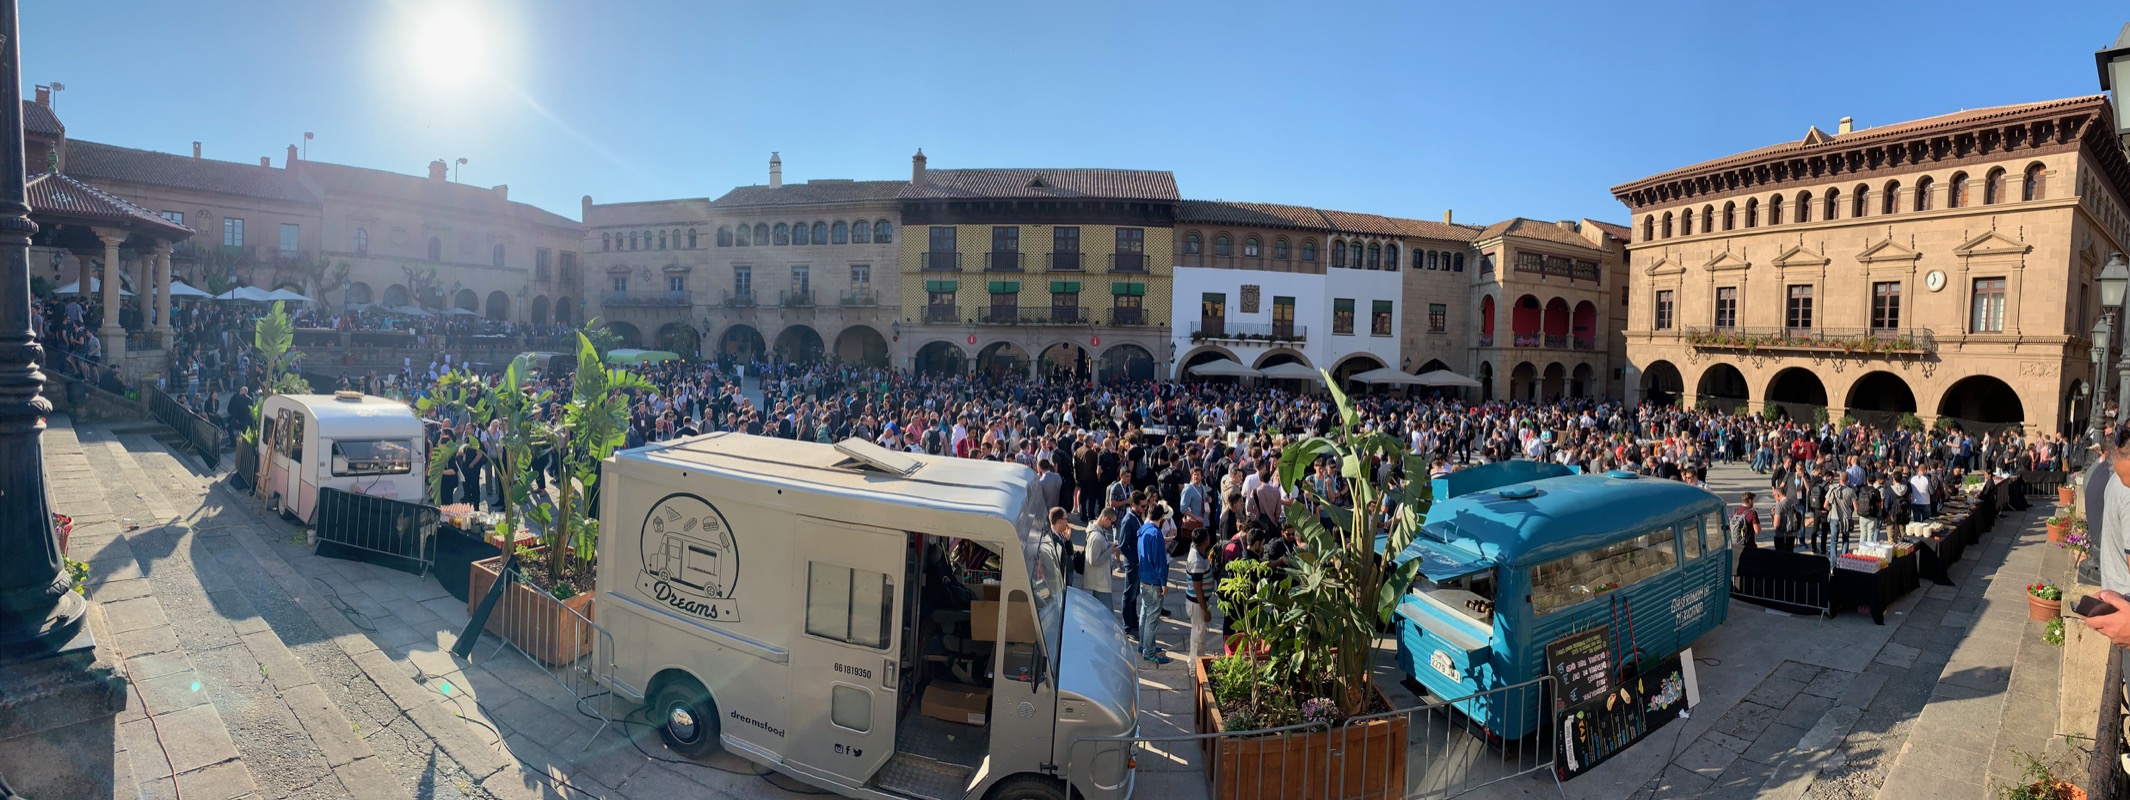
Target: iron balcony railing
1486,340
1065,262
1127,262
657,298
1037,315
861,297
1553,342
796,298
942,313
1850,341
1586,343
739,299
942,262
1203,330
1127,316
1002,261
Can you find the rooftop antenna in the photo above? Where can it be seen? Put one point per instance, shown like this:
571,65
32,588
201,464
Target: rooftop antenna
307,145
455,170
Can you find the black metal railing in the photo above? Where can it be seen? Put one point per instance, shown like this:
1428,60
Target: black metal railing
1040,315
796,298
861,297
1067,262
942,313
656,298
942,262
1559,342
1244,331
1002,261
1849,341
1127,316
201,433
1127,262
737,299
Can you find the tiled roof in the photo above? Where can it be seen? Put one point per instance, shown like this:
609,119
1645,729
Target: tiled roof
1273,215
1620,232
1430,229
322,177
811,192
127,165
38,120
1120,184
1858,137
1534,229
63,195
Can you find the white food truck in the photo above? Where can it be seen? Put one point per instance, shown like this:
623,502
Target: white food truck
883,624
347,440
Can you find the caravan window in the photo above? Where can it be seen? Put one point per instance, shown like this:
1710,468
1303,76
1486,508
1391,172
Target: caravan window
1564,582
1712,526
1690,538
372,457
290,435
848,605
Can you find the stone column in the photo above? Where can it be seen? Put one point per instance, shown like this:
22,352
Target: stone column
144,287
162,295
113,334
81,269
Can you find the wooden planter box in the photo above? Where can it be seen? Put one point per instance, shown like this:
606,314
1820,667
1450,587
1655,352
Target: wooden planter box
532,619
1365,761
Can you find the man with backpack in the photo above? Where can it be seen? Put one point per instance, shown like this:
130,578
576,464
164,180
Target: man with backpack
1871,507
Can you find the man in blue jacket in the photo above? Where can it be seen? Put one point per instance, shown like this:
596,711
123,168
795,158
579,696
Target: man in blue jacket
1153,572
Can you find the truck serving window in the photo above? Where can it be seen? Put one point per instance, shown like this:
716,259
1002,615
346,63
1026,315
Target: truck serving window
1567,581
848,605
372,457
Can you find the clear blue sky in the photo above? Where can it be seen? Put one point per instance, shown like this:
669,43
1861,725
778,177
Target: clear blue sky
1495,109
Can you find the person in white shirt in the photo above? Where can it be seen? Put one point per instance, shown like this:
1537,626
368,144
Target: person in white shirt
1101,558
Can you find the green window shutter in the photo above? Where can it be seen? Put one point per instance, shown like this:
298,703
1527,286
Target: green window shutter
1064,286
1005,287
939,286
1128,288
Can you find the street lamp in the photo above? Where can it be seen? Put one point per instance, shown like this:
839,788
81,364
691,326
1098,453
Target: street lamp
2114,279
2114,66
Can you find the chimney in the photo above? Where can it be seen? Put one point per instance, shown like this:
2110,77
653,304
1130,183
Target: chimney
1848,124
917,168
195,150
1446,217
1566,225
502,191
44,95
266,161
584,208
290,162
439,171
776,171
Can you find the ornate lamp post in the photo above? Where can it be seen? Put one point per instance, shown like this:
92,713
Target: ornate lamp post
2114,279
2114,66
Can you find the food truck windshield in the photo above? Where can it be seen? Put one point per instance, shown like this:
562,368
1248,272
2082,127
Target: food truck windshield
1045,575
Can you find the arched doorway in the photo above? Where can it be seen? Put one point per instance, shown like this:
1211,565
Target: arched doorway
1579,381
566,311
1722,388
1980,403
539,310
1523,382
396,295
1556,323
681,339
860,345
799,344
1661,383
1880,398
1583,326
1280,356
741,342
467,300
1486,381
1431,365
1064,361
1524,322
2076,410
1555,384
626,334
941,359
358,294
498,306
1798,392
1001,360
1126,362
1355,364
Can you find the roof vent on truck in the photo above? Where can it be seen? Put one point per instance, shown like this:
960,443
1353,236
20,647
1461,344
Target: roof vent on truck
860,453
347,396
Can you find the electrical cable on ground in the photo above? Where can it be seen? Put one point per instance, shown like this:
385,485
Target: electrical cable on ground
342,606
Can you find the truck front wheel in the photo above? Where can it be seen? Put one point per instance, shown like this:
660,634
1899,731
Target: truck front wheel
1029,787
686,717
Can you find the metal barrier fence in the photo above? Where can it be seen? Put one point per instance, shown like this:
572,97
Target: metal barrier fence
1785,594
244,473
202,433
385,532
2040,484
556,635
1430,750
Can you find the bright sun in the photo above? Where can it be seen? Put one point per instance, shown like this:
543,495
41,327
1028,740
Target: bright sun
448,48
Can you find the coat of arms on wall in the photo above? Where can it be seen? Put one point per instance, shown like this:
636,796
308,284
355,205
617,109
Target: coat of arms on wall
1249,298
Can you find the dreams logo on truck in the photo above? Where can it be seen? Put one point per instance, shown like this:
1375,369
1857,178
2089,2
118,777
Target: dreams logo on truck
691,563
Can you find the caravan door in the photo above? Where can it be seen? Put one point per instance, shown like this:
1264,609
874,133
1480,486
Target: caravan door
845,659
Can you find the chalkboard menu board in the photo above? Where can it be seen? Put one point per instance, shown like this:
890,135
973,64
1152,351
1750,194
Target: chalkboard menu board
1582,664
1593,729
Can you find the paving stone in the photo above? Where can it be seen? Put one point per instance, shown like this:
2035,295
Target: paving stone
1746,721
225,781
1863,690
1775,691
1804,711
1796,671
326,726
133,615
114,591
1727,741
1706,758
174,691
1830,683
278,665
1958,764
1742,780
141,668
1772,743
192,738
1895,654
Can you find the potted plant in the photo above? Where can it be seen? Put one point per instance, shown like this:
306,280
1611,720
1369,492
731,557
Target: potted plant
2077,541
1302,660
2044,601
2057,524
2067,494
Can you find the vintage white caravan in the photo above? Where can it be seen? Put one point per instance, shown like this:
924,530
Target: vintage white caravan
882,624
348,441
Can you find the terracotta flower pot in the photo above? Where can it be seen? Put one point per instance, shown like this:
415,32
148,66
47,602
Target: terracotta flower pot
2055,532
2042,610
2066,495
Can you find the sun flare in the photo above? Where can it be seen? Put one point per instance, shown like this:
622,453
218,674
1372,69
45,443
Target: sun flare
448,48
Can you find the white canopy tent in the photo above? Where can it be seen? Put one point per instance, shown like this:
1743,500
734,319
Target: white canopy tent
284,294
1443,377
183,289
1390,376
250,293
1224,369
1292,371
96,285
411,311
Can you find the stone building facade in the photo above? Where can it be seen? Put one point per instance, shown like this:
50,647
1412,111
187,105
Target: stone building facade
1551,302
1943,267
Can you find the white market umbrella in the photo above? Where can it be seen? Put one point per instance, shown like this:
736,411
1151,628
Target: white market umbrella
1224,369
284,294
1292,371
246,293
1443,377
411,311
463,312
96,286
1389,375
183,289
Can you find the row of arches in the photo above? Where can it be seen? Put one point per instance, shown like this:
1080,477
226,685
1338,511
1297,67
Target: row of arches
1832,204
1878,397
1553,324
860,345
800,233
1346,367
1528,381
496,306
1062,361
649,240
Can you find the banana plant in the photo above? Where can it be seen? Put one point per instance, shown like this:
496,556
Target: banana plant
595,423
272,338
517,405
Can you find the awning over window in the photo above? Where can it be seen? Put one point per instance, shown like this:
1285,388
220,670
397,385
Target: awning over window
1005,287
939,286
1064,286
1136,289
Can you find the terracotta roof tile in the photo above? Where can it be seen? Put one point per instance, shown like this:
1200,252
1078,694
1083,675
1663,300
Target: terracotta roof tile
1222,212
1534,229
39,120
1121,184
321,177
1620,232
811,192
63,195
127,165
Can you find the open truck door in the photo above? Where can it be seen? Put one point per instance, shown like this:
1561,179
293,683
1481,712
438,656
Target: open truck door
847,659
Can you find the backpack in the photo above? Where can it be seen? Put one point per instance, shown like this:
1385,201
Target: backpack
1872,505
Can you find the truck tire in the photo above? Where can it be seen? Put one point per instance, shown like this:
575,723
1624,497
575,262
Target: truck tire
686,717
1028,787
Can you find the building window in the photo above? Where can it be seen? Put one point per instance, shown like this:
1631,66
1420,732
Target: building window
1860,204
1342,316
1249,247
1726,307
761,234
1993,187
691,238
942,254
496,256
569,267
1375,255
1926,193
542,258
1379,313
743,281
1664,310
1309,250
1192,245
800,235
1775,210
1708,218
1065,239
1730,215
661,239
820,233
1213,312
1804,207
840,233
1222,246
861,233
802,281
232,231
1005,239
362,242
1279,249
1686,222
677,284
619,282
724,235
1005,306
1752,212
1282,317
781,234
436,248
1065,306
939,305
1797,315
1438,318
1834,205
883,232
861,276
1390,257
1649,227
291,234
1885,305
1338,253
1890,199
1988,316
1667,224
1431,259
1457,264
175,216
2032,187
